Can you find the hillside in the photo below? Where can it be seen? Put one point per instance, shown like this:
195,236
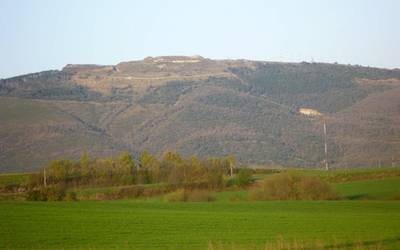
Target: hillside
206,107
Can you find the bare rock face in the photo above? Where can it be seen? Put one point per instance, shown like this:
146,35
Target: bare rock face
264,112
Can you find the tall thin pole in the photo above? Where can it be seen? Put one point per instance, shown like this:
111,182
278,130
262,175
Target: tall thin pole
44,178
326,148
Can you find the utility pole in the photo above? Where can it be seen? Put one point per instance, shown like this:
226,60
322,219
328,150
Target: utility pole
44,178
326,147
232,162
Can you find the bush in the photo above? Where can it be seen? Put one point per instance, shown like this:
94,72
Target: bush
244,177
178,195
11,188
71,196
35,195
230,182
130,192
314,188
154,191
55,193
191,196
52,193
140,191
215,179
290,186
199,195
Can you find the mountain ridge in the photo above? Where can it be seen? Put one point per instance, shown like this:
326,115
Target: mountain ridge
201,106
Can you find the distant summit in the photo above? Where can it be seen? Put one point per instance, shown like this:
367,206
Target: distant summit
80,67
175,59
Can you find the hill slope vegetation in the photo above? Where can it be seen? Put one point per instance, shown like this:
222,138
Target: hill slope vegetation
206,107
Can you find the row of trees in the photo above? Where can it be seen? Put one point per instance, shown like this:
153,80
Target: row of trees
172,168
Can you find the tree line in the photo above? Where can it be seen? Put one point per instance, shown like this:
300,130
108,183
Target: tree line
172,168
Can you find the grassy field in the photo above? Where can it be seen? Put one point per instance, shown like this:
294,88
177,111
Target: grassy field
368,215
376,189
12,179
161,225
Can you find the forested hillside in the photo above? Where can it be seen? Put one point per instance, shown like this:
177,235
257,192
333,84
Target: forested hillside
205,107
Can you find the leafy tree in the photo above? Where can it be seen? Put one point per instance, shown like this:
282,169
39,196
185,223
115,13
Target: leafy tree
196,171
215,171
150,165
127,167
85,160
174,157
173,165
127,162
60,170
85,164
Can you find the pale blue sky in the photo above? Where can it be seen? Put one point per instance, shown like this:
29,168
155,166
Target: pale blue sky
38,35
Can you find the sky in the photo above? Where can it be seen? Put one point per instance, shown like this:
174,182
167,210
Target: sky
37,35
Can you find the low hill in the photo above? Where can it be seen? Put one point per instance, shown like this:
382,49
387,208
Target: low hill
206,107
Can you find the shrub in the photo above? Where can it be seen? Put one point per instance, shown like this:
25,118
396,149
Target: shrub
71,196
314,188
35,195
140,191
11,188
55,193
244,177
130,192
230,182
191,196
279,187
290,186
215,179
103,197
199,195
52,193
154,191
178,195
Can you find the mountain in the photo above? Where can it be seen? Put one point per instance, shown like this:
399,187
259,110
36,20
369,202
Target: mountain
266,113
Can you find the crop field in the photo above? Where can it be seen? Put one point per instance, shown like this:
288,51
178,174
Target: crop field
161,225
376,189
366,216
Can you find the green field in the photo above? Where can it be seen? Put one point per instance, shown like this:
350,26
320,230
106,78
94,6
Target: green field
376,189
161,225
12,179
367,215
